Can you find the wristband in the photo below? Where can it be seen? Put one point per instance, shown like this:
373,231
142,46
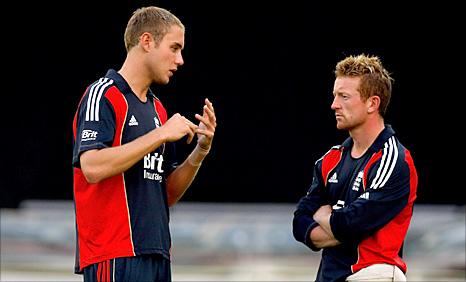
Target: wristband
200,152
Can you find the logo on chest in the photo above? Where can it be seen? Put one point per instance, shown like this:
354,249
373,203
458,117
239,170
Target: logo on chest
334,178
133,121
357,181
153,166
156,122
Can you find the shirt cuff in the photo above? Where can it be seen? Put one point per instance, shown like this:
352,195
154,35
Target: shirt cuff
307,240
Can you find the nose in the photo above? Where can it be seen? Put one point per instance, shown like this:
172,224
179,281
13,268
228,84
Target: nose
334,104
179,59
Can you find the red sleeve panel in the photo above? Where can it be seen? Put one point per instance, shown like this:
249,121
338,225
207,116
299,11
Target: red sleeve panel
103,206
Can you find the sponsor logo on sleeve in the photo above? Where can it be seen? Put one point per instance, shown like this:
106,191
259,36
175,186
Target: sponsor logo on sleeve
88,135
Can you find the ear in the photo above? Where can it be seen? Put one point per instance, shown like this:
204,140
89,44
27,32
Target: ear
373,104
145,41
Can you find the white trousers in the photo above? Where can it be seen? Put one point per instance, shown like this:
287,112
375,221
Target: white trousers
378,272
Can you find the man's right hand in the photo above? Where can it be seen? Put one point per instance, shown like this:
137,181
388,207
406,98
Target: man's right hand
177,127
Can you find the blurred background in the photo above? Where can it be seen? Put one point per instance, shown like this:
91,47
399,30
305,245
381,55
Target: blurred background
223,242
268,70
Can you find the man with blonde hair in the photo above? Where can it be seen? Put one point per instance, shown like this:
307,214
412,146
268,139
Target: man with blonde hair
359,205
125,171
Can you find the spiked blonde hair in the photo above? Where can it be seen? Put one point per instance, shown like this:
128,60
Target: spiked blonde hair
375,79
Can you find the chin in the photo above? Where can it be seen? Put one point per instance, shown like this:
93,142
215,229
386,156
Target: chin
341,126
162,81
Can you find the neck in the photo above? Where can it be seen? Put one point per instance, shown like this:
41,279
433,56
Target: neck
364,136
131,72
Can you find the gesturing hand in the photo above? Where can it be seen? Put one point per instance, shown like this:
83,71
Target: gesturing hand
177,127
208,123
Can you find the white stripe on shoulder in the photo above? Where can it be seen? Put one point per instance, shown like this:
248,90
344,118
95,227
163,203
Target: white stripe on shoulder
90,95
93,101
382,163
104,87
395,159
94,96
387,162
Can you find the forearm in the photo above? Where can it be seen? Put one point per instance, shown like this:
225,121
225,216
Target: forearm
323,236
98,165
182,177
321,239
324,223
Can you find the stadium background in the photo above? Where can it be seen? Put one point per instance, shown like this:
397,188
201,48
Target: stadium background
266,66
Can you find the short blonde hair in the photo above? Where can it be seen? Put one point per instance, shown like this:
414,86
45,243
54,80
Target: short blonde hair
157,21
375,79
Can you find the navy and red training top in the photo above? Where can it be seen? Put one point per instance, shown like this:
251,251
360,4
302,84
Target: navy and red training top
127,214
372,201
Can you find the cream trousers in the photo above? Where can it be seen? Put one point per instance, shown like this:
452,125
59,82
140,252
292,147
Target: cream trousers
378,272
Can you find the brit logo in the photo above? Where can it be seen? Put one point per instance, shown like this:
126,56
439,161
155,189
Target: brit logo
133,121
88,135
333,179
153,167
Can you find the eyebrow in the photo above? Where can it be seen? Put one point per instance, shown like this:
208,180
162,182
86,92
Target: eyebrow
341,93
178,45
